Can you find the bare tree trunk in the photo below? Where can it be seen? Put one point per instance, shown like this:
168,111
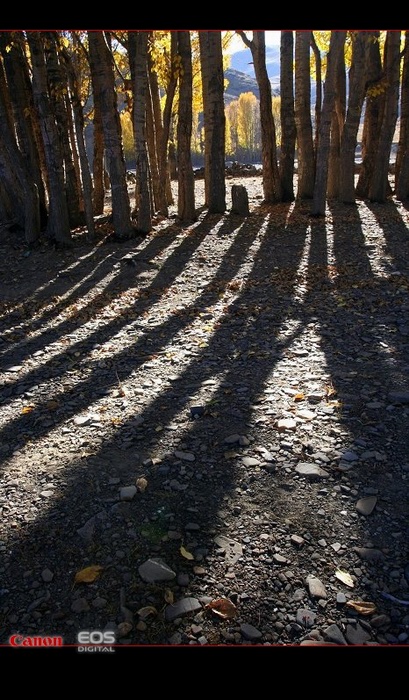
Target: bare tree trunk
186,180
58,227
380,187
138,49
336,47
287,115
102,73
165,196
356,95
402,156
79,134
211,64
14,162
58,88
24,114
305,146
375,99
271,177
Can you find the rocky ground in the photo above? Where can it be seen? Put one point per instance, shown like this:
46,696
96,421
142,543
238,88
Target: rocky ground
204,434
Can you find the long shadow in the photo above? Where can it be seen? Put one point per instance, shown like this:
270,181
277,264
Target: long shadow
359,343
66,362
64,299
231,354
276,281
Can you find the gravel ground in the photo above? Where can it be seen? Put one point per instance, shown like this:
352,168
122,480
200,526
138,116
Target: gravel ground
204,433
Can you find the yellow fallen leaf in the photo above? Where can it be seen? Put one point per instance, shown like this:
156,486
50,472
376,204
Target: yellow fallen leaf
169,596
361,607
344,577
27,409
185,553
89,574
223,607
300,396
146,611
141,484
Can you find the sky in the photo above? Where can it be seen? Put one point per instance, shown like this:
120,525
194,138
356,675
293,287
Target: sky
272,39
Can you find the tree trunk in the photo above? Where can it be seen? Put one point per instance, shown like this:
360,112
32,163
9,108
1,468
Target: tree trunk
102,74
160,191
356,95
211,64
318,89
271,177
186,180
305,146
165,193
79,134
98,168
58,87
15,162
380,187
375,97
402,156
287,115
58,227
24,114
336,47
337,125
138,49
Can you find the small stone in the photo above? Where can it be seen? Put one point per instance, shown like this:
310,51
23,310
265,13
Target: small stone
182,607
47,575
250,461
155,570
80,605
334,634
366,505
185,456
316,587
297,540
311,470
127,493
305,617
286,424
369,553
356,634
249,632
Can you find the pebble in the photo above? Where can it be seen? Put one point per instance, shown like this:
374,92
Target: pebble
154,570
249,632
184,606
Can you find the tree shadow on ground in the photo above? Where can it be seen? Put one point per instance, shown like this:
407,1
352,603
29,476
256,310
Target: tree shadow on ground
275,280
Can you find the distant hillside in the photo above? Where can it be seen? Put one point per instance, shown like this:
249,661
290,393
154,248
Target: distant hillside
242,61
239,82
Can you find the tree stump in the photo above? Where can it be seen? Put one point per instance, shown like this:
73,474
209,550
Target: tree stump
239,200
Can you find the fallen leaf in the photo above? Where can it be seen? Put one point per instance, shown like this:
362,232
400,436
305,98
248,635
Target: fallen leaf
146,611
300,396
361,607
141,484
185,553
169,598
27,409
89,574
344,577
223,607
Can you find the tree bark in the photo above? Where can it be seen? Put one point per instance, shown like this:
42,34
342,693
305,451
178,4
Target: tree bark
356,96
211,64
271,176
186,180
138,48
375,98
402,156
58,227
287,115
380,187
305,146
336,47
102,73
